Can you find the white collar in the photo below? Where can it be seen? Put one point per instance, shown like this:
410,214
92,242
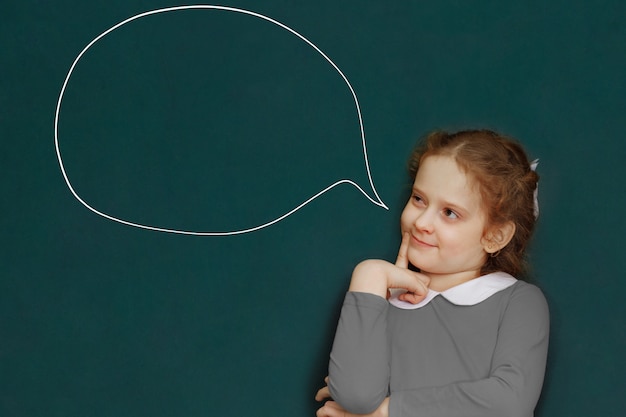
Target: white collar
468,293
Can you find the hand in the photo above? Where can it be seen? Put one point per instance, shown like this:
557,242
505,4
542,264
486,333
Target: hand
323,392
333,409
376,277
402,261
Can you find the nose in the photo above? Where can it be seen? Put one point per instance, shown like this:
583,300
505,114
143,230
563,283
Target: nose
424,221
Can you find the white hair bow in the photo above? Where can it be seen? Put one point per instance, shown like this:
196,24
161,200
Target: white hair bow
533,167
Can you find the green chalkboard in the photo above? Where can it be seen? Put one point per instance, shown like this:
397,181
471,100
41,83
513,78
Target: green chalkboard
158,257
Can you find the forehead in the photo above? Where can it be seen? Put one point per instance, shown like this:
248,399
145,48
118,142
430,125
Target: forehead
441,178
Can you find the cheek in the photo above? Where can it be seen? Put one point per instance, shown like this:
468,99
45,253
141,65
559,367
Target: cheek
405,220
467,243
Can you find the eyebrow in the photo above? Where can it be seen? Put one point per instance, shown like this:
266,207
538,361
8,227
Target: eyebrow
446,203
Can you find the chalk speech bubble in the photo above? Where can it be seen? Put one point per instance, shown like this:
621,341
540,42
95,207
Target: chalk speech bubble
375,200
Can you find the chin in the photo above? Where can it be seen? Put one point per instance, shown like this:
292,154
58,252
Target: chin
419,266
420,260
427,267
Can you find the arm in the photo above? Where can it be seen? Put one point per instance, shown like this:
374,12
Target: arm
517,370
359,361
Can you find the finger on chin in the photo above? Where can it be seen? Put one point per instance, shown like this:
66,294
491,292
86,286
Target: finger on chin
402,260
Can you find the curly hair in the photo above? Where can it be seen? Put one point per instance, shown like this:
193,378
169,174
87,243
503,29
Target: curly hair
500,167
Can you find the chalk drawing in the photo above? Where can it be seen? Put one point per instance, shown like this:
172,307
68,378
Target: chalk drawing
375,200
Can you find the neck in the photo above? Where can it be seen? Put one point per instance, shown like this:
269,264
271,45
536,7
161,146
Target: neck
442,282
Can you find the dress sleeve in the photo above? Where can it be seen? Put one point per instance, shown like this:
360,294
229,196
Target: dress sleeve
513,387
359,360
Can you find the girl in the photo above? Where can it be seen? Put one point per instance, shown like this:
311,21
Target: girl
461,337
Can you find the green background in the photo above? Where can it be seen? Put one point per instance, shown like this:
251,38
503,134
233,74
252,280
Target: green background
214,121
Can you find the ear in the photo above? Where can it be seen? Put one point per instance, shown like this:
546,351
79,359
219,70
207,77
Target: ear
497,237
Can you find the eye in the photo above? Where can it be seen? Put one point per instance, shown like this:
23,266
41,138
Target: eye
418,200
451,214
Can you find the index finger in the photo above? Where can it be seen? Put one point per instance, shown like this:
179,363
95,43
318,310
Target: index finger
322,393
402,261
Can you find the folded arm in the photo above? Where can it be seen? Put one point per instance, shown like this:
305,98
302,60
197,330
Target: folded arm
517,370
359,366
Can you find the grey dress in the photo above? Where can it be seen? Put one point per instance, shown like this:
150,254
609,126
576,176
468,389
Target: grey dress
442,359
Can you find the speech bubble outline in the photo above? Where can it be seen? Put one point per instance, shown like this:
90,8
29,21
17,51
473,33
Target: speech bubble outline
377,201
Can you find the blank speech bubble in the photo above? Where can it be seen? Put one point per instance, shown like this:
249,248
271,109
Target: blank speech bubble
375,199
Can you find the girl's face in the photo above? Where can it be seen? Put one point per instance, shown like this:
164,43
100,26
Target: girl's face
446,221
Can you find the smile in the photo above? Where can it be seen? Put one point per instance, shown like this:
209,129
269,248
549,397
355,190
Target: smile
421,242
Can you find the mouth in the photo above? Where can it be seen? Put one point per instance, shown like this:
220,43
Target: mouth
420,242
